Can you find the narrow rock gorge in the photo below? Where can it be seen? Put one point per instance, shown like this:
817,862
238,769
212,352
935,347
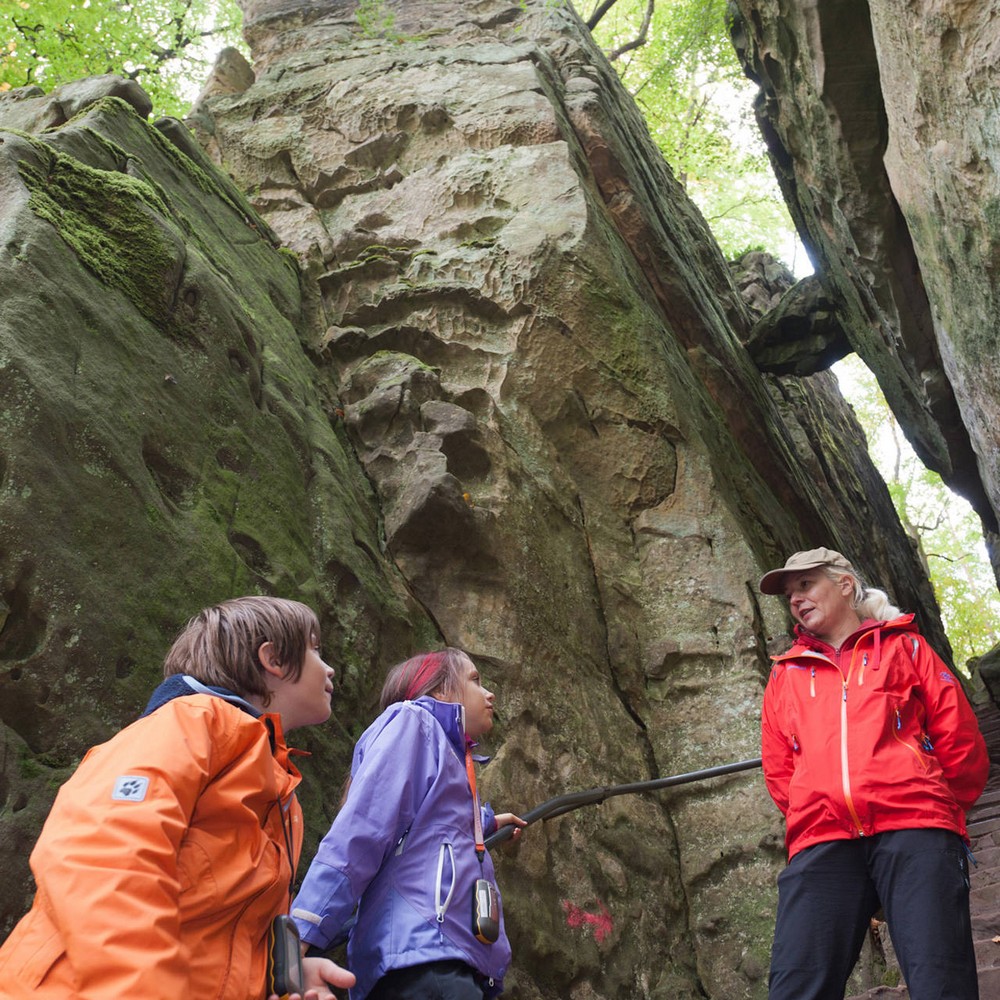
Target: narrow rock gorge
417,326
881,122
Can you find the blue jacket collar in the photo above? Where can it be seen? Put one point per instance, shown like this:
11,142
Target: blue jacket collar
182,685
450,717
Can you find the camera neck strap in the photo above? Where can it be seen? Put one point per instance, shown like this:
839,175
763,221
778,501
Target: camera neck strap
477,816
288,847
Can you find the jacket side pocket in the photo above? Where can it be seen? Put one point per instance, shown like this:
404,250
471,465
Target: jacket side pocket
34,955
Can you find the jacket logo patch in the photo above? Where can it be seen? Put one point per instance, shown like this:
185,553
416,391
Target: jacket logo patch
946,677
130,788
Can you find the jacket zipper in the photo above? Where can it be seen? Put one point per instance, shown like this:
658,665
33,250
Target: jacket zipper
925,742
441,905
845,772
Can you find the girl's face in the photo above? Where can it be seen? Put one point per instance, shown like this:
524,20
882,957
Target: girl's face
821,605
476,699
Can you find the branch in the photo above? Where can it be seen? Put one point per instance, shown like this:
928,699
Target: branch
640,39
746,200
599,12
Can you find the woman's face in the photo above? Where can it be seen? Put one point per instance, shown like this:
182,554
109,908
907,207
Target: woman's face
477,700
821,605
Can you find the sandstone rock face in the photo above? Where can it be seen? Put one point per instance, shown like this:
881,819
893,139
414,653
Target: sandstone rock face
504,402
537,351
798,331
882,124
163,445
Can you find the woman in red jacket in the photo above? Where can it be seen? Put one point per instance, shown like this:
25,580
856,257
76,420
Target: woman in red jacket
874,756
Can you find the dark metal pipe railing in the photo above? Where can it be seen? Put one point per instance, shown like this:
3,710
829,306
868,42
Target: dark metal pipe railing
593,796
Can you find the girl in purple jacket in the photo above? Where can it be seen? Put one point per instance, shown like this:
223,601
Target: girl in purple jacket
406,848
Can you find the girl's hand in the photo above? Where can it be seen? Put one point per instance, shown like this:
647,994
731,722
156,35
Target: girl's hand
509,819
320,974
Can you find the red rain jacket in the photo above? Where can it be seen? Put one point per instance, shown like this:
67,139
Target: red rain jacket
876,736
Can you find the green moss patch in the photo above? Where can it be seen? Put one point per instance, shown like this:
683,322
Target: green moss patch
107,218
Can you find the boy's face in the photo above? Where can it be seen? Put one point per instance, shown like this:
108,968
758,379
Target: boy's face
477,700
306,701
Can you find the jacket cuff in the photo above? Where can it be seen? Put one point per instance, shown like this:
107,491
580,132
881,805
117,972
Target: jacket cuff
323,907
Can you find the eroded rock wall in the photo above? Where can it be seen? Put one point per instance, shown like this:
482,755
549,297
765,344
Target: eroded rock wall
882,124
467,367
163,445
537,348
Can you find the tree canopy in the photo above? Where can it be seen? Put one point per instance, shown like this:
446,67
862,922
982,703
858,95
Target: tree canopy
167,46
944,528
676,58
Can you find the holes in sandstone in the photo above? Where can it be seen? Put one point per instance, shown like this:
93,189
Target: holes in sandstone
775,73
24,623
348,585
467,458
172,480
238,362
249,365
251,552
124,666
229,459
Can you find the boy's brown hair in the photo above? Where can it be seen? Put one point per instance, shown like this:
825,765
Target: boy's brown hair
219,645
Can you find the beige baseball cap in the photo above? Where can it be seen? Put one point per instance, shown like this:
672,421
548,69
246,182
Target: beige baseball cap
798,562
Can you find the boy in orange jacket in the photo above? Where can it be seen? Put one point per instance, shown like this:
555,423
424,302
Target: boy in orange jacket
172,848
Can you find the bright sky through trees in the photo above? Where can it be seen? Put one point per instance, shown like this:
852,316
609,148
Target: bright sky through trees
163,44
948,530
698,103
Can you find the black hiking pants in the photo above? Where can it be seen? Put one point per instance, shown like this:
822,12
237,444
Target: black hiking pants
829,892
448,980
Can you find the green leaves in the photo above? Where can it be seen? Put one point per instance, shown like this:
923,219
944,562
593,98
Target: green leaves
698,104
167,46
944,527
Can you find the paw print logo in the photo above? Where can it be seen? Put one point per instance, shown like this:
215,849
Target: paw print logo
130,788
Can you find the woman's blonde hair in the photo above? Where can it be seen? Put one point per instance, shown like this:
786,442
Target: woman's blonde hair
219,645
868,602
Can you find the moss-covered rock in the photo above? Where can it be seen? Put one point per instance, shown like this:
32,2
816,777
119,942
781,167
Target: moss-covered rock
163,445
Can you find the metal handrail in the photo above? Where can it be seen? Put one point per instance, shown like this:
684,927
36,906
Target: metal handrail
593,796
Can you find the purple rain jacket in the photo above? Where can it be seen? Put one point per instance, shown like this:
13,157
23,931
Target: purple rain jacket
402,849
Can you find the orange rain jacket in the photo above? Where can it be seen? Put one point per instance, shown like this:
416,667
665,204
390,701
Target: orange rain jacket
162,863
876,736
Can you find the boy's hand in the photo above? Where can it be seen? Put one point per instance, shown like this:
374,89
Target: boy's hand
320,975
509,819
